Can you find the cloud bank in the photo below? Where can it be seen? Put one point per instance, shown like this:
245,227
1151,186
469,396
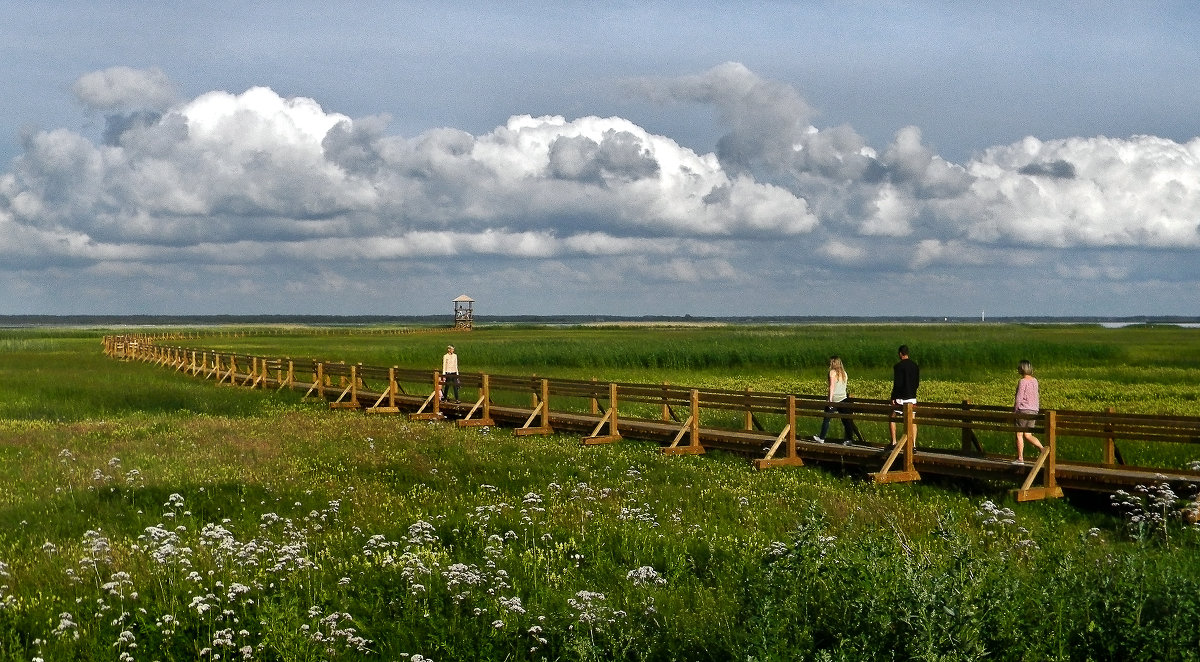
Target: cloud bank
230,184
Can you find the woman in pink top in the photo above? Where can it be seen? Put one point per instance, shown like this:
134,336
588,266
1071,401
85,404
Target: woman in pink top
1026,402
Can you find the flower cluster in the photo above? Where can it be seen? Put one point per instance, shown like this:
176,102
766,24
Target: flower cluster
1148,510
1001,524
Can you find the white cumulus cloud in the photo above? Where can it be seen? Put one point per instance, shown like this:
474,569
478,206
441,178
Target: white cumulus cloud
125,88
228,182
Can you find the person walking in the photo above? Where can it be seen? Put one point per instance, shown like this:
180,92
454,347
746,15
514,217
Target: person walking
450,373
906,377
837,393
1027,401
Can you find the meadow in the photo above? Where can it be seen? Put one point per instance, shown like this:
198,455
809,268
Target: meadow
148,515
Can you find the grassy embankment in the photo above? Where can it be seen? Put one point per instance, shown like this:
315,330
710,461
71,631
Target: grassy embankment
148,514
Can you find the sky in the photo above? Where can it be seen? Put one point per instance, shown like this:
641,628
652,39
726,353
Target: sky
620,158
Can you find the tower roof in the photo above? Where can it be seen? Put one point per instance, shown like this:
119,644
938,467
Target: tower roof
462,298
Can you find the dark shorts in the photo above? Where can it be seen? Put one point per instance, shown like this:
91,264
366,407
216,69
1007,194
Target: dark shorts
1028,422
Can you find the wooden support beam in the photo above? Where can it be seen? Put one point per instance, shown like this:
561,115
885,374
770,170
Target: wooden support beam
229,374
258,373
389,395
543,410
691,428
286,382
484,402
351,390
970,441
791,458
905,445
1047,462
609,419
434,402
318,384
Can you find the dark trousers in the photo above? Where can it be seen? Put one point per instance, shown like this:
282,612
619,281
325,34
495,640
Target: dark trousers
848,427
452,381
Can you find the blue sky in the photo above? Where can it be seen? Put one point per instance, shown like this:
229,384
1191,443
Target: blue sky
840,158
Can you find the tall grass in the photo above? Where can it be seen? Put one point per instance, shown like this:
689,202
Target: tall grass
725,348
264,528
1133,369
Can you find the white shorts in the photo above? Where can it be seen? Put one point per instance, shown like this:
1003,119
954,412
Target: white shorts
900,403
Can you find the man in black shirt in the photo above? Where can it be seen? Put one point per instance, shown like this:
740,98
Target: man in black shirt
906,376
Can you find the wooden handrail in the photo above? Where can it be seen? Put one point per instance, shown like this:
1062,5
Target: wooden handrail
350,382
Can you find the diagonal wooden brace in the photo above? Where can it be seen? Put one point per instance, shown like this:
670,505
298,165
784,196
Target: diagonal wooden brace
610,419
787,435
1048,461
691,428
484,402
905,444
542,409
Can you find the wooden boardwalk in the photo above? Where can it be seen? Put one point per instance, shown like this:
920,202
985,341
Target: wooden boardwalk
760,426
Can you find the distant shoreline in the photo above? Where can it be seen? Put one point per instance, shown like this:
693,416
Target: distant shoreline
28,321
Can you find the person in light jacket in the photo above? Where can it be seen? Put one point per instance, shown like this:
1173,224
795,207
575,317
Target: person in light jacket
1026,401
450,373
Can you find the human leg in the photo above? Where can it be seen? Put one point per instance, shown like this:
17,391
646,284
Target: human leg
824,426
1034,440
852,432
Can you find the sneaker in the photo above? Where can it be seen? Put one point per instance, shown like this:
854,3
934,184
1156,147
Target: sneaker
819,440
1018,462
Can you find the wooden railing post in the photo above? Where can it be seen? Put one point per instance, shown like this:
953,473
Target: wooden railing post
791,423
433,402
666,407
380,407
486,395
1052,449
541,408
348,398
749,422
1110,442
609,419
908,446
1048,462
788,437
970,442
690,429
484,404
612,408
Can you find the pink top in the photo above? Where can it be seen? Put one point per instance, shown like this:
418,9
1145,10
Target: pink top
1027,394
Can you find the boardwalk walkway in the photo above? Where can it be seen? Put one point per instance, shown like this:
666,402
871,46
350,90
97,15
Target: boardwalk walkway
761,426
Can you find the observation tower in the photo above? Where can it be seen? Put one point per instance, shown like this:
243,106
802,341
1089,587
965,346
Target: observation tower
464,317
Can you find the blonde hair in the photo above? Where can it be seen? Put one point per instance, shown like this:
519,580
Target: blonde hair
835,365
1025,367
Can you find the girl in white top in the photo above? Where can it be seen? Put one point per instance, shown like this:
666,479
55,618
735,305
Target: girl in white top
837,393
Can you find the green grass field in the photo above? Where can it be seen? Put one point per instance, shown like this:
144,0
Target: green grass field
148,515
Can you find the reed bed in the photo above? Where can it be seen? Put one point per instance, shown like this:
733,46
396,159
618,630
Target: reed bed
146,515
